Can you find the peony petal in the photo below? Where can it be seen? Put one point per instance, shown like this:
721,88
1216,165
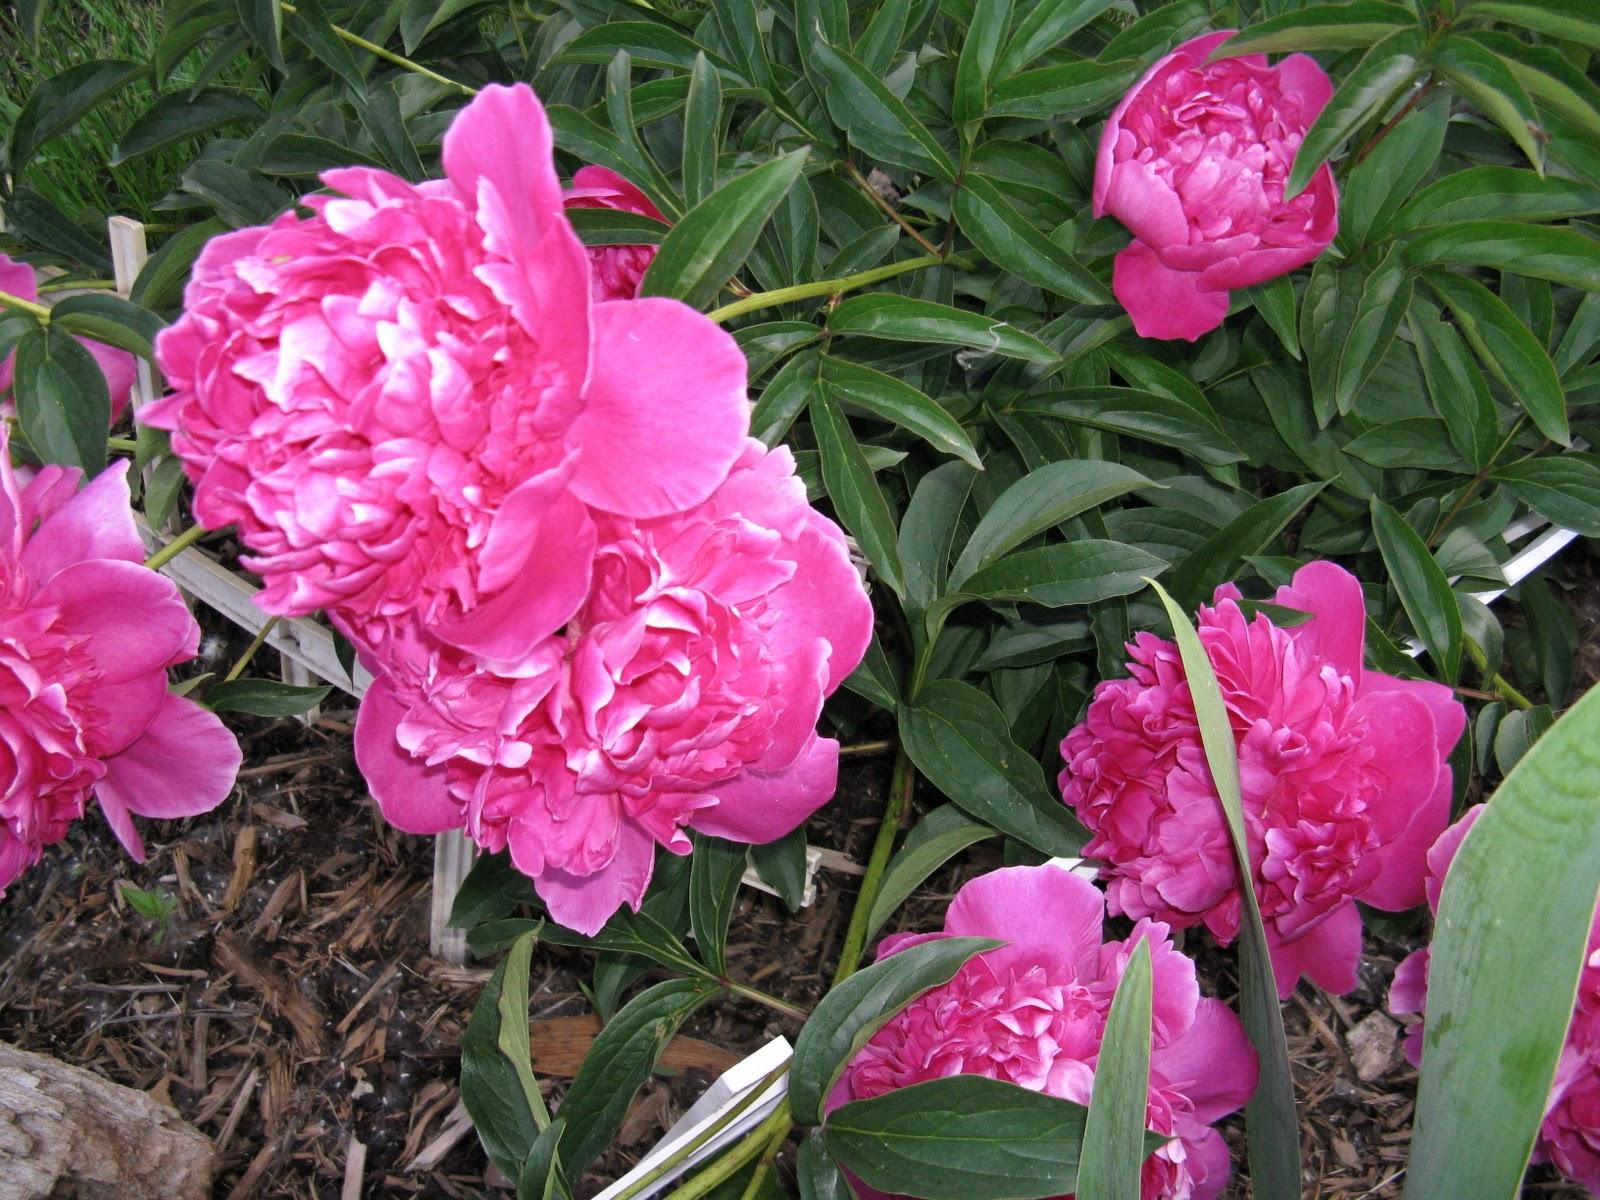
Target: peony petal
96,523
184,764
586,902
760,808
1257,266
666,411
1300,74
1164,303
1333,597
1213,1063
594,182
121,822
1402,863
133,619
1147,205
19,279
1044,913
1443,852
411,796
119,368
1449,714
1328,954
545,592
503,138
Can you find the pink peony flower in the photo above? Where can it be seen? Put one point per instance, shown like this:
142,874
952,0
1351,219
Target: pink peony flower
410,405
1193,161
86,637
615,272
1033,1013
117,366
1569,1136
1343,771
683,694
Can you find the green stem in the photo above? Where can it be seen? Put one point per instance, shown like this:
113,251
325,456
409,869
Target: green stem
389,56
822,287
250,651
895,815
42,312
774,1144
175,547
1501,685
729,1163
760,997
88,285
123,445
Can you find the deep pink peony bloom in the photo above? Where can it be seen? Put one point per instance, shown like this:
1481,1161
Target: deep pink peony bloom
614,271
410,405
684,693
1193,161
1344,775
86,637
1033,1013
117,366
1569,1137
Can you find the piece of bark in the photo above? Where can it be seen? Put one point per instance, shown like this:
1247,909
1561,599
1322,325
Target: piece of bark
65,1131
1374,1047
558,1045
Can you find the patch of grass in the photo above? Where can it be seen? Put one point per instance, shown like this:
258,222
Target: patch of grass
72,171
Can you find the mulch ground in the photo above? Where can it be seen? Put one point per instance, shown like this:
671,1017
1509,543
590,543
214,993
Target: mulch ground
289,1008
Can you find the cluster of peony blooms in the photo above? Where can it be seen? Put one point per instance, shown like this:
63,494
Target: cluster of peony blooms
19,280
86,636
1193,161
1344,775
597,612
1033,1013
1569,1137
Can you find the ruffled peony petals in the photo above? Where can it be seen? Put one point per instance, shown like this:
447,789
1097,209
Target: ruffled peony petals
184,765
666,411
411,796
758,808
1328,954
586,902
549,584
132,620
1164,303
96,523
1042,912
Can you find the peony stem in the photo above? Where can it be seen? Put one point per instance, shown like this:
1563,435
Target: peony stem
249,652
175,547
760,997
389,56
122,445
822,287
866,748
895,814
774,1144
728,1165
42,312
1502,686
873,194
